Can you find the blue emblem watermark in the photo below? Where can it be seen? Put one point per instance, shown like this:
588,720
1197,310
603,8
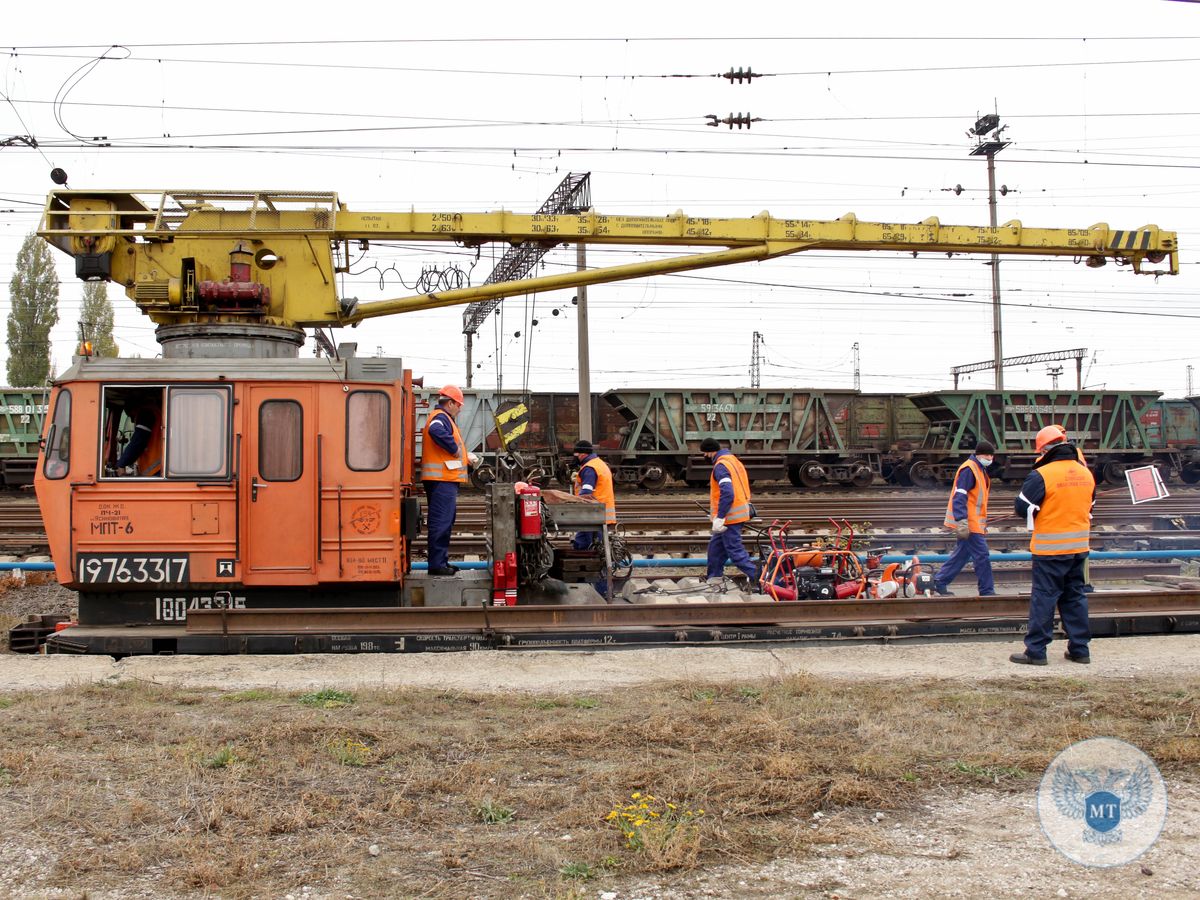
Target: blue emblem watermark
1102,802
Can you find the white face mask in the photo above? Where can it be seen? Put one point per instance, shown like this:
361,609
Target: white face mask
984,461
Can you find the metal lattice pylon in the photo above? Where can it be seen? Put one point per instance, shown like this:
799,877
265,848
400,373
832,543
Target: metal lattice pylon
573,195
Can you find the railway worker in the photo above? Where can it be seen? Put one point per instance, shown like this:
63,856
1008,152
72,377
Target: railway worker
729,505
966,514
444,462
1057,499
145,419
594,481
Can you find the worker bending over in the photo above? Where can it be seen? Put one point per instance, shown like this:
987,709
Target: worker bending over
593,481
1057,499
966,514
444,462
729,505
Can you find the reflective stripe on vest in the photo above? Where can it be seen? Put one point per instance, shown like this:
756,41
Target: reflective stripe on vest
603,491
434,457
739,511
1063,523
977,499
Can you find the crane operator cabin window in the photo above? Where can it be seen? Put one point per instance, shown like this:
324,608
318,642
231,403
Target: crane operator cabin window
165,432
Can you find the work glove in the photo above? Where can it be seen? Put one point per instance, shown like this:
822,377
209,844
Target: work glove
473,459
718,525
962,530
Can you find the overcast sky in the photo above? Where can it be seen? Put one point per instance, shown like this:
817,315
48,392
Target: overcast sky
468,106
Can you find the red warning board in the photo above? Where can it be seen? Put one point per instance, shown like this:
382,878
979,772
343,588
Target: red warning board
1145,484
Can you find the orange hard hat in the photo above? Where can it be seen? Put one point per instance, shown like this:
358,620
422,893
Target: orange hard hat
452,391
1048,436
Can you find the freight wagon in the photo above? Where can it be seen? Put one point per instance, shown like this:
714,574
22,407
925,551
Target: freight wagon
811,437
24,410
525,436
1117,430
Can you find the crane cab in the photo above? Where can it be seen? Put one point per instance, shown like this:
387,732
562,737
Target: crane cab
169,485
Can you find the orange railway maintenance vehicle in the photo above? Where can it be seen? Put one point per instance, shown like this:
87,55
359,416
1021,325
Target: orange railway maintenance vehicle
267,503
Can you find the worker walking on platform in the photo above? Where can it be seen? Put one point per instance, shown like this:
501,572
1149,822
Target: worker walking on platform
729,505
966,515
1057,499
593,481
444,462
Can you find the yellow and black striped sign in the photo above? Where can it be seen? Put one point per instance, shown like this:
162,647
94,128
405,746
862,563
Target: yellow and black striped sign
511,422
1131,240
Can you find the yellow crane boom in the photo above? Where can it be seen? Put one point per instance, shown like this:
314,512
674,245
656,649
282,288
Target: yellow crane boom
268,256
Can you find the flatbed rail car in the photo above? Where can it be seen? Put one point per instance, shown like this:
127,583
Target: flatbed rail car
1116,430
23,412
264,483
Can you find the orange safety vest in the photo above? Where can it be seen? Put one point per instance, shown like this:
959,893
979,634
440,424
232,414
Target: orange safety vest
434,457
603,492
1064,522
977,499
740,510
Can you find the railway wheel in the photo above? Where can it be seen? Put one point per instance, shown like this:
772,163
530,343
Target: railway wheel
482,476
1190,474
861,475
811,474
922,475
1113,473
652,476
794,476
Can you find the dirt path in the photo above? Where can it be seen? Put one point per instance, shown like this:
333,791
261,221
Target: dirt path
981,844
574,671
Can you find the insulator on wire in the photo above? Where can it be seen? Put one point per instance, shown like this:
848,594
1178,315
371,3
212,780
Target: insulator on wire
739,74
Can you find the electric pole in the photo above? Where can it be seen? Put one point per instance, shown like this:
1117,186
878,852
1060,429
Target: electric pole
1189,382
585,377
989,147
756,361
857,373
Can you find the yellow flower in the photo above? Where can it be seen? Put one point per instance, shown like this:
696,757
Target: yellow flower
640,822
670,806
636,795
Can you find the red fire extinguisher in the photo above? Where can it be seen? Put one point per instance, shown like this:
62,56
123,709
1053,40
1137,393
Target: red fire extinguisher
529,513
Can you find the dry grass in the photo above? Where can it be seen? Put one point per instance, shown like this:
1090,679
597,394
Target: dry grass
256,793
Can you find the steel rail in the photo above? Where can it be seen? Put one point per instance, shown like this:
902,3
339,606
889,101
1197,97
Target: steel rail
369,620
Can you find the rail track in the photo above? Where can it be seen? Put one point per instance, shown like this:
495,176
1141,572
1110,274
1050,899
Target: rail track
908,520
417,629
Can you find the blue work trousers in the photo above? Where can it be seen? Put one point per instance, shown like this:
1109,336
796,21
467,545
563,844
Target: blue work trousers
975,549
583,540
442,499
1058,582
728,546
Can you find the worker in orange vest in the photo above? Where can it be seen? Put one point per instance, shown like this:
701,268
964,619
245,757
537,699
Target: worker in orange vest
729,505
1057,499
444,466
593,481
966,514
